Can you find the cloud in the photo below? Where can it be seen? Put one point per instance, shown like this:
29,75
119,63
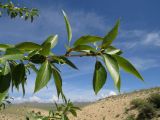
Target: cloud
35,99
144,63
78,95
136,38
152,38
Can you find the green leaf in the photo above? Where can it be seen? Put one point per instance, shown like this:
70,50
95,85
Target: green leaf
84,48
12,51
3,95
43,76
68,27
58,81
113,68
127,66
68,62
37,58
28,46
73,112
3,47
5,81
33,67
99,78
12,57
5,78
18,74
53,39
112,50
46,49
87,39
108,39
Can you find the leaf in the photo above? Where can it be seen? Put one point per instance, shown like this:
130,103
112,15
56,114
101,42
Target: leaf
87,39
18,74
58,81
11,57
127,66
3,47
46,49
28,46
3,95
33,67
4,82
112,50
99,78
73,112
43,76
5,78
68,62
68,27
108,39
37,58
53,39
113,68
11,51
84,48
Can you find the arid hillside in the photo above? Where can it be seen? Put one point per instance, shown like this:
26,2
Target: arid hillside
110,108
114,107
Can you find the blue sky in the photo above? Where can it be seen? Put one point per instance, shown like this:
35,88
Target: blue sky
139,38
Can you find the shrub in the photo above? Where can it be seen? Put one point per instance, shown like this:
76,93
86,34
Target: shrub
155,100
130,117
136,103
146,111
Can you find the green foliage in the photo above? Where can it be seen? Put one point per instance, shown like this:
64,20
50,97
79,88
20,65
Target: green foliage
100,76
5,99
15,11
113,68
108,39
87,39
130,117
137,103
147,108
61,112
68,27
155,100
23,57
43,76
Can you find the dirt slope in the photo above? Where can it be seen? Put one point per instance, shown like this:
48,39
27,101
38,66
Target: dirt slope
112,108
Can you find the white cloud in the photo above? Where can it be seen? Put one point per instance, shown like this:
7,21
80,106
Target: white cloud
144,63
152,38
136,38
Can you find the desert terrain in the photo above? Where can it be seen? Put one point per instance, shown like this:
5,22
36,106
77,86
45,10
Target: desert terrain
110,108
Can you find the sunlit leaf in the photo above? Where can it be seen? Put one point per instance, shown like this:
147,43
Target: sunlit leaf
84,48
53,39
27,46
108,39
112,50
87,39
68,27
112,67
58,81
3,47
99,78
43,76
46,49
127,66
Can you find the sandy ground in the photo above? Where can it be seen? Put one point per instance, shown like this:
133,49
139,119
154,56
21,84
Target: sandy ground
111,108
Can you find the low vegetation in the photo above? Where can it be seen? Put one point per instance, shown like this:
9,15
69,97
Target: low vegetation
147,109
61,112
